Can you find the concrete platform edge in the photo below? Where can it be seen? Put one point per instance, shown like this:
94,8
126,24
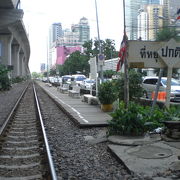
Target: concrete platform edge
81,125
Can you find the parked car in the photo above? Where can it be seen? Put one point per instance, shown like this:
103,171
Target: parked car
149,85
66,78
87,83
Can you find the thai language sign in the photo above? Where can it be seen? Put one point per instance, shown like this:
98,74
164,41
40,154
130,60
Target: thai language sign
151,54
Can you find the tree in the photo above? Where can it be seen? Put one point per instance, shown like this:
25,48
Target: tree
35,75
135,88
166,34
79,61
76,62
109,73
88,48
109,49
52,72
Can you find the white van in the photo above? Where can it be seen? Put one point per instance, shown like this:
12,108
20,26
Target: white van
78,78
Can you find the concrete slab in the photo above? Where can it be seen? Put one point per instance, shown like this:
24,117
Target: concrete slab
133,140
149,159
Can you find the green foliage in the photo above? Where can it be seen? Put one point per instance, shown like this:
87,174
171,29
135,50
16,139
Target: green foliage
75,62
166,34
36,75
135,88
108,73
17,79
137,119
52,72
109,49
172,114
107,93
5,83
107,46
79,62
133,120
127,121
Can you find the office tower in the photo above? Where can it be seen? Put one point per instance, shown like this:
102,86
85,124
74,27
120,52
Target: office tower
143,25
55,32
132,13
82,29
138,21
42,67
155,23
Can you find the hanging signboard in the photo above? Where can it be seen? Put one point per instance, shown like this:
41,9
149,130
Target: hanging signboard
152,54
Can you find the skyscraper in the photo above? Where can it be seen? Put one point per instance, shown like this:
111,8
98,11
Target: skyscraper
132,12
55,32
83,29
143,25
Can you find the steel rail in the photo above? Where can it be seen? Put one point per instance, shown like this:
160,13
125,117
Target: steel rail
2,129
51,165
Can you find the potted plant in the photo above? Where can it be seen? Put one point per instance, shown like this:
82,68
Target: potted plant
107,94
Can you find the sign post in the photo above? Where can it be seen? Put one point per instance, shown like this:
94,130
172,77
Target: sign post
152,54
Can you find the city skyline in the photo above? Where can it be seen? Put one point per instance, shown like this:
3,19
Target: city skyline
37,21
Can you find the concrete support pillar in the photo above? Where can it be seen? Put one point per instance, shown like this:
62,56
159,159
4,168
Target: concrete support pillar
6,41
23,67
21,57
15,60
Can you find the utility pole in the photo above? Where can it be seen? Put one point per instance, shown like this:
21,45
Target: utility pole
100,48
126,75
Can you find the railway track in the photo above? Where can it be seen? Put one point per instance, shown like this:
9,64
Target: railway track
24,150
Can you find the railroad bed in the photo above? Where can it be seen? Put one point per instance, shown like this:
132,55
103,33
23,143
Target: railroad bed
22,148
78,153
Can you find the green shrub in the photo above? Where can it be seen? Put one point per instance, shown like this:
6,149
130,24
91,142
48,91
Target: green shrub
107,93
133,120
135,88
17,79
5,83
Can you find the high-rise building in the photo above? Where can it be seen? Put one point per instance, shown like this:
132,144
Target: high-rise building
42,67
131,16
143,25
55,32
82,29
154,22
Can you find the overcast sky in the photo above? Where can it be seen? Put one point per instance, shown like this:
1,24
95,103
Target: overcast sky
40,14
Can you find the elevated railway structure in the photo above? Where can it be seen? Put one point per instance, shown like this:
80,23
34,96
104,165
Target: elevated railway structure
14,42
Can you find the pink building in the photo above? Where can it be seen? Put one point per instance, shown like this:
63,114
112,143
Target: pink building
63,52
